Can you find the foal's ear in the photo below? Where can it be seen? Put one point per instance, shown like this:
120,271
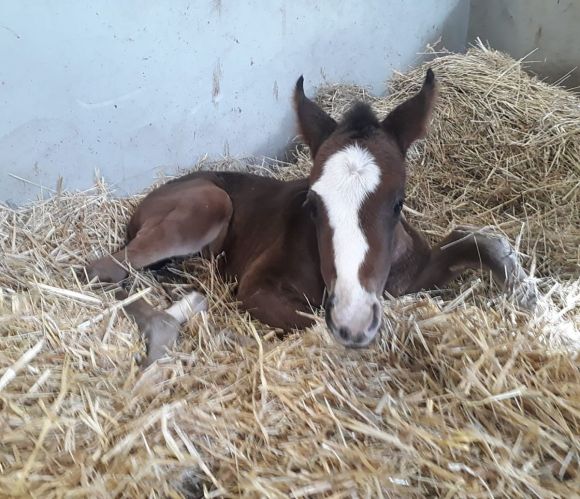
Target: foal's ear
408,121
315,125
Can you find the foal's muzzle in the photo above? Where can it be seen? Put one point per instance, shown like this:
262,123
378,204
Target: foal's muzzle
356,330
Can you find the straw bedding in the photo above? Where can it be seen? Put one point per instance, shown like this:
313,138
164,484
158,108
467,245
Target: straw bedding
465,397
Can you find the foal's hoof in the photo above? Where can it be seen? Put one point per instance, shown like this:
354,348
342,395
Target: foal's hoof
525,294
521,287
160,332
106,269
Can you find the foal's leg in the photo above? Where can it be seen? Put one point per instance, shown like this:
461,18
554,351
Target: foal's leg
470,248
182,223
160,329
176,225
273,302
269,306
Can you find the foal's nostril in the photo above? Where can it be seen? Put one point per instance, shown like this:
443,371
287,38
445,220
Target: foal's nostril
343,333
376,318
328,302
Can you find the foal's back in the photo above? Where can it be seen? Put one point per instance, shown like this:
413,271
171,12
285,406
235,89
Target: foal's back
269,222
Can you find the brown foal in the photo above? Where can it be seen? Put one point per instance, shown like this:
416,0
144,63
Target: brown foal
336,239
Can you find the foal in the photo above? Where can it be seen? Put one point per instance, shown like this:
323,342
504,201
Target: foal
338,234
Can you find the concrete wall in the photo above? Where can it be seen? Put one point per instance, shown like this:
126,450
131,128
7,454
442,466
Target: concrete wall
137,86
519,26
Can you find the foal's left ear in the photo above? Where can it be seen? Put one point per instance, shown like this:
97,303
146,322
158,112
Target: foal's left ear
315,125
408,121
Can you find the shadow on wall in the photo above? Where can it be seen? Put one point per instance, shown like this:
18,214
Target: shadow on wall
518,27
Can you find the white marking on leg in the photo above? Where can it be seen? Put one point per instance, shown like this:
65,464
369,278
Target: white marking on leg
348,177
187,307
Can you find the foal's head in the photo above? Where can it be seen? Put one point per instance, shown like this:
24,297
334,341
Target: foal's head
357,189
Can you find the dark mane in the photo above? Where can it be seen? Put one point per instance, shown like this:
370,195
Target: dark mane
360,122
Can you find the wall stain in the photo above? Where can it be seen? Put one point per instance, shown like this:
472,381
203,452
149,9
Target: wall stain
275,90
10,30
538,35
283,12
216,6
216,81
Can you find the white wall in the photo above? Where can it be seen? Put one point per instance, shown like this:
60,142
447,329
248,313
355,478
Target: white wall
133,87
520,26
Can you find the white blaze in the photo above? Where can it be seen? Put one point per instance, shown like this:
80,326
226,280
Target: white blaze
348,177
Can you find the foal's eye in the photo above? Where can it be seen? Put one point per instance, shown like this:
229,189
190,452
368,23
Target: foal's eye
398,207
312,209
310,205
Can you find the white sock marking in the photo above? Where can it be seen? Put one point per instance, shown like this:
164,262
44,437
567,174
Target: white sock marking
187,307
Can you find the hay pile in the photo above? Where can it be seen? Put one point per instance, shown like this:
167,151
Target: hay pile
468,397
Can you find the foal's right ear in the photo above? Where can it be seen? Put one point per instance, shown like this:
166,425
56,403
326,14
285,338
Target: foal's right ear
315,125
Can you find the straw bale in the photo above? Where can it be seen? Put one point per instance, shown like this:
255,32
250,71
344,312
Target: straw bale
465,396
